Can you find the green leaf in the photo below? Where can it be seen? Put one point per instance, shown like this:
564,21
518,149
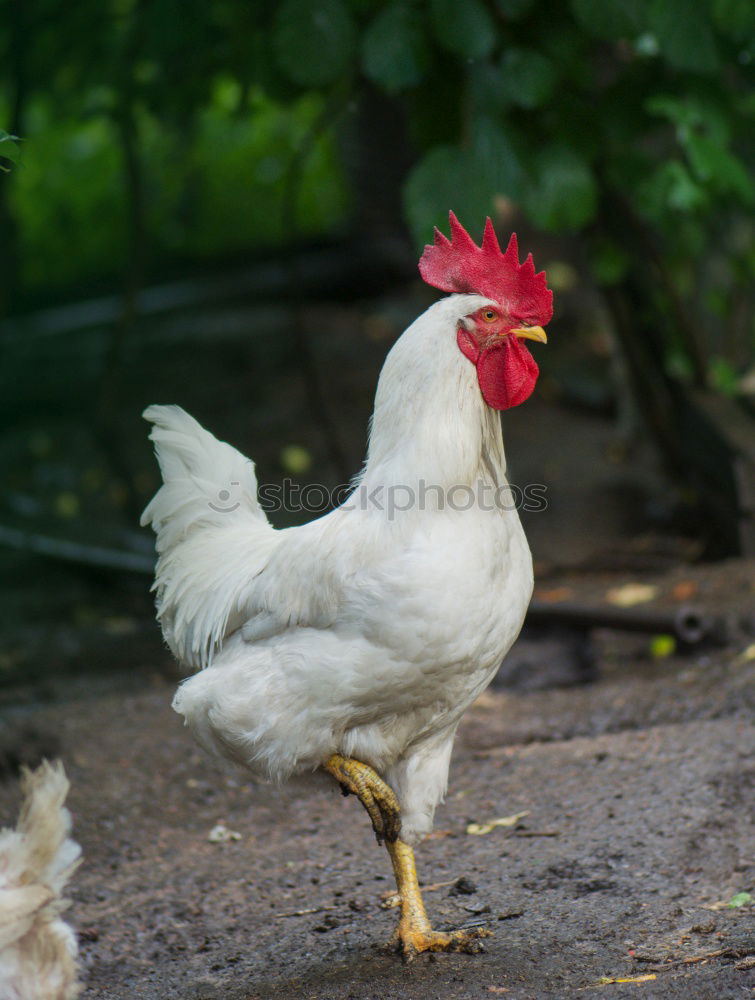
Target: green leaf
740,899
512,10
608,262
487,88
528,78
446,178
702,131
395,53
9,148
495,153
685,35
714,163
464,28
314,40
724,378
671,187
611,19
562,194
735,18
682,192
690,114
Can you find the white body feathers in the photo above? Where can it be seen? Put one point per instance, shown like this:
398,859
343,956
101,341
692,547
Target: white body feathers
370,630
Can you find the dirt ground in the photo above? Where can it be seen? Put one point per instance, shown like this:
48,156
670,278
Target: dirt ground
639,825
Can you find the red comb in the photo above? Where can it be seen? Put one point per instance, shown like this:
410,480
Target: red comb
459,265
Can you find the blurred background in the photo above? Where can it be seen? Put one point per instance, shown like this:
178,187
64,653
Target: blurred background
222,205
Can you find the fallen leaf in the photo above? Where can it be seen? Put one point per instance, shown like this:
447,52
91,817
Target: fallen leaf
303,913
220,834
609,980
740,899
478,829
631,594
497,989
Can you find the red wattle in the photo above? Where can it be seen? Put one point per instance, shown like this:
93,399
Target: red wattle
506,371
467,344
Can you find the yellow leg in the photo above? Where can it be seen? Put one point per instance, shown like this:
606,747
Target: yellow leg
414,933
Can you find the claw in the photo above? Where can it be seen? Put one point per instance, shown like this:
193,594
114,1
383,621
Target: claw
378,798
410,942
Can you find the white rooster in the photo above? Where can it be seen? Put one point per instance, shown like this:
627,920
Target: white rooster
355,643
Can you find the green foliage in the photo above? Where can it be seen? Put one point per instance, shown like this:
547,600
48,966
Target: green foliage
10,151
220,194
395,52
685,35
734,18
527,78
563,193
464,29
496,155
703,133
446,176
627,122
314,40
613,19
63,235
511,10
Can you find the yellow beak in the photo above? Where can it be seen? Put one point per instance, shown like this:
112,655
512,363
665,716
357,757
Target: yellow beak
531,333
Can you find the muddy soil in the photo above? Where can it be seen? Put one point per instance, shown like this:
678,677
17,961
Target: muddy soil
638,827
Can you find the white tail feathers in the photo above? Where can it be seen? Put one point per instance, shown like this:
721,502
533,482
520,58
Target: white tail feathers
204,479
37,948
212,536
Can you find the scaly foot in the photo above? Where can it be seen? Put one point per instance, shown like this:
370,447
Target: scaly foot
414,933
378,798
410,942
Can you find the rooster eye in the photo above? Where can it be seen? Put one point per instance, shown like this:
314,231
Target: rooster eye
489,315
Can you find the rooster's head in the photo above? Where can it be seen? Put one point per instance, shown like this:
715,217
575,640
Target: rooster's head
520,304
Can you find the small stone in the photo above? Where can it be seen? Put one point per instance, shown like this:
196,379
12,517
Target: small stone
463,887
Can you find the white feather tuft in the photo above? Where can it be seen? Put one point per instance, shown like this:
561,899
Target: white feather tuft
212,536
37,948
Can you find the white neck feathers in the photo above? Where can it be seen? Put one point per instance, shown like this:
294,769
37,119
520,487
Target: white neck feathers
430,421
